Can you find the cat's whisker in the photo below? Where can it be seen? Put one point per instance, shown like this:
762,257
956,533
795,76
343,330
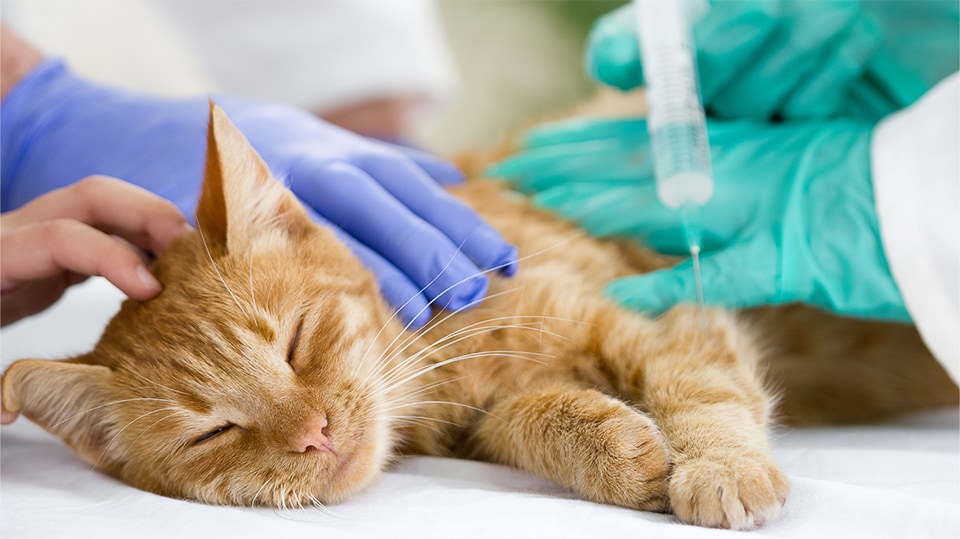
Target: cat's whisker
206,248
540,252
105,405
398,399
396,312
149,381
174,413
320,506
454,338
482,272
411,363
413,337
253,296
491,354
253,502
420,419
117,434
450,403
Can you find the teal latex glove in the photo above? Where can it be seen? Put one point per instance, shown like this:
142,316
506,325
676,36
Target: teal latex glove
761,59
792,218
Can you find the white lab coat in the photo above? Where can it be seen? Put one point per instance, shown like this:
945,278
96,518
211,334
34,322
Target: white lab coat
320,55
916,178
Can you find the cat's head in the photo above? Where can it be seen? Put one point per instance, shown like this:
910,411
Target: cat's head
254,378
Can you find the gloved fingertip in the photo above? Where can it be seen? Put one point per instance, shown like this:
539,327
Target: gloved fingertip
503,170
489,251
614,60
414,317
636,294
466,294
507,263
413,311
446,173
612,54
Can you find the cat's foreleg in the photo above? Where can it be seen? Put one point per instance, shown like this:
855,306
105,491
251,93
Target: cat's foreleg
701,385
582,439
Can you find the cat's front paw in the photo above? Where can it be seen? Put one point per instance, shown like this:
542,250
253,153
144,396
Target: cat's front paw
741,494
632,464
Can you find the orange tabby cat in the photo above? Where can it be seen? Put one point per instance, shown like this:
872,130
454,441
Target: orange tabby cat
271,372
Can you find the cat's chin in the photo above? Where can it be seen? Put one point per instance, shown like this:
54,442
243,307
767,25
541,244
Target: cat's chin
355,470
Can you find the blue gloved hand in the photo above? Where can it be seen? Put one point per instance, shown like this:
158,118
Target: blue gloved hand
792,218
761,59
384,201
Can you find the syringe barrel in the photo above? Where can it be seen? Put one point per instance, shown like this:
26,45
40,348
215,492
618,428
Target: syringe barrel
676,120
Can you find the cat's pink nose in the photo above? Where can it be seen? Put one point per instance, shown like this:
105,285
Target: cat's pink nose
312,437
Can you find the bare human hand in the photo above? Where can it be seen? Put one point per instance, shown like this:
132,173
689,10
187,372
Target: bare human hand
92,227
87,228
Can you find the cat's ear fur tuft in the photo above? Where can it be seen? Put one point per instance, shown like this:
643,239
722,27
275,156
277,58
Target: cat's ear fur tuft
66,398
240,200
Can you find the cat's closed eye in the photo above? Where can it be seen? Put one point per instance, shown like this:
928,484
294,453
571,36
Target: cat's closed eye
213,433
291,350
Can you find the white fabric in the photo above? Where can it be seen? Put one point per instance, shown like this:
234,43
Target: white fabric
129,43
916,179
319,55
897,480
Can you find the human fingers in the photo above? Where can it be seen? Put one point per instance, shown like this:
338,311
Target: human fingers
441,170
35,251
824,93
612,209
462,225
352,201
804,38
605,160
401,293
612,55
584,129
737,277
113,206
411,306
34,296
728,38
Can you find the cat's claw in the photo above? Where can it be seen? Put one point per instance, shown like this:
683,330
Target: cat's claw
741,495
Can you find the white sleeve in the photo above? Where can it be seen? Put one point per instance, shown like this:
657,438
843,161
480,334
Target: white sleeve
916,178
320,55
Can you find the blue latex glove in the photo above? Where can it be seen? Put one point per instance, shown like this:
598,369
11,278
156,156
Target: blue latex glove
799,58
792,218
383,201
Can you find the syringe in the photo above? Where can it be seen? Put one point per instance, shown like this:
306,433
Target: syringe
675,116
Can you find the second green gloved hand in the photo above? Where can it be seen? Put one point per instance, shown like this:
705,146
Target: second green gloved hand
792,218
799,58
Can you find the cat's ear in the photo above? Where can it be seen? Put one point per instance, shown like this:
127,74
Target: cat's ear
241,200
66,398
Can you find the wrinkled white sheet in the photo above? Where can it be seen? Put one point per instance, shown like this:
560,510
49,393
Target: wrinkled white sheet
897,480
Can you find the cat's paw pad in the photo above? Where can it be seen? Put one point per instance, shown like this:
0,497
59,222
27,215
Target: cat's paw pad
633,465
740,495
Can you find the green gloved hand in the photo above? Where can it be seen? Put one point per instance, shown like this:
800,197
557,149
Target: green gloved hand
762,59
792,218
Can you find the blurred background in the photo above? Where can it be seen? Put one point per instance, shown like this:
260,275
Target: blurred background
464,72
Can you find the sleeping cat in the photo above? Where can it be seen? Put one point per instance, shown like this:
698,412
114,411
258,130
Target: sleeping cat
270,372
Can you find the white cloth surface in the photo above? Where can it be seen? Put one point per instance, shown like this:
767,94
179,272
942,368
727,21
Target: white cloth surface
916,179
896,480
